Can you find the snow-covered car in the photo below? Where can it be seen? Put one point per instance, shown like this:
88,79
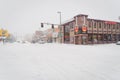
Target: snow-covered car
118,43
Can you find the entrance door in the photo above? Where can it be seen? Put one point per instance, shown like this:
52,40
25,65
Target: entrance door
84,39
76,39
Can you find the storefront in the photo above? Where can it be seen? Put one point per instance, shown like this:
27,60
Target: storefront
81,39
83,30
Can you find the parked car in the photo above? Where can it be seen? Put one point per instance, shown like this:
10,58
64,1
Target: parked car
41,42
118,43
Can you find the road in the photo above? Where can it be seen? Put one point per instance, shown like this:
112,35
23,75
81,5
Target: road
59,62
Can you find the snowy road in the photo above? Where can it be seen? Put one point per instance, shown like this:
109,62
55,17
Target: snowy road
59,62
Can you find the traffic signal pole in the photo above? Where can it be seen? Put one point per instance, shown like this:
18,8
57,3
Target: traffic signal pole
52,26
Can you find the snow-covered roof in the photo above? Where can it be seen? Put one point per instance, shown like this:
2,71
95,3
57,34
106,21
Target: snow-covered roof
67,21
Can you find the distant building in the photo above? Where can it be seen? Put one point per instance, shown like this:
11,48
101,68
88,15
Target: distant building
83,30
51,35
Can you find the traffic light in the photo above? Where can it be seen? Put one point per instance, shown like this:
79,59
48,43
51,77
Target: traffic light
42,25
52,26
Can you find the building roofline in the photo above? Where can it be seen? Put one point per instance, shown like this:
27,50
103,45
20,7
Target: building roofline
68,21
103,20
73,19
81,15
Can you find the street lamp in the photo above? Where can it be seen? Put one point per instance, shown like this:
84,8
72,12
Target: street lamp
60,36
60,16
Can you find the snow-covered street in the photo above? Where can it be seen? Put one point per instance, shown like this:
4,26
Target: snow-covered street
59,62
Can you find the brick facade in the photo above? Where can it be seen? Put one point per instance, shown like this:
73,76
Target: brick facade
83,30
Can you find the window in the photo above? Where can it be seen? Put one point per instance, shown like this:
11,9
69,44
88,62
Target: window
89,23
95,24
117,26
105,26
113,27
100,37
108,26
100,25
67,28
71,25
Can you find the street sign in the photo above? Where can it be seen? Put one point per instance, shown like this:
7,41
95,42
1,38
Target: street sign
76,29
0,32
84,29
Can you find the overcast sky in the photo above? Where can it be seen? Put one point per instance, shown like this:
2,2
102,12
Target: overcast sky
25,16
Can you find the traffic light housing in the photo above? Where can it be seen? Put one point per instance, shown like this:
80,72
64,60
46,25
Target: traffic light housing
52,26
42,25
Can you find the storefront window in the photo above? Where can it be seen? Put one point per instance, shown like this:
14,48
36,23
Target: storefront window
109,37
105,37
89,37
72,39
67,28
114,37
67,34
100,37
84,39
119,37
95,38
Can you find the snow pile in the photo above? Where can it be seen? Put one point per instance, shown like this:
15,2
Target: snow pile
59,62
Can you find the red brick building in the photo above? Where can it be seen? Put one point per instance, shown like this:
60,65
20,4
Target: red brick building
83,30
